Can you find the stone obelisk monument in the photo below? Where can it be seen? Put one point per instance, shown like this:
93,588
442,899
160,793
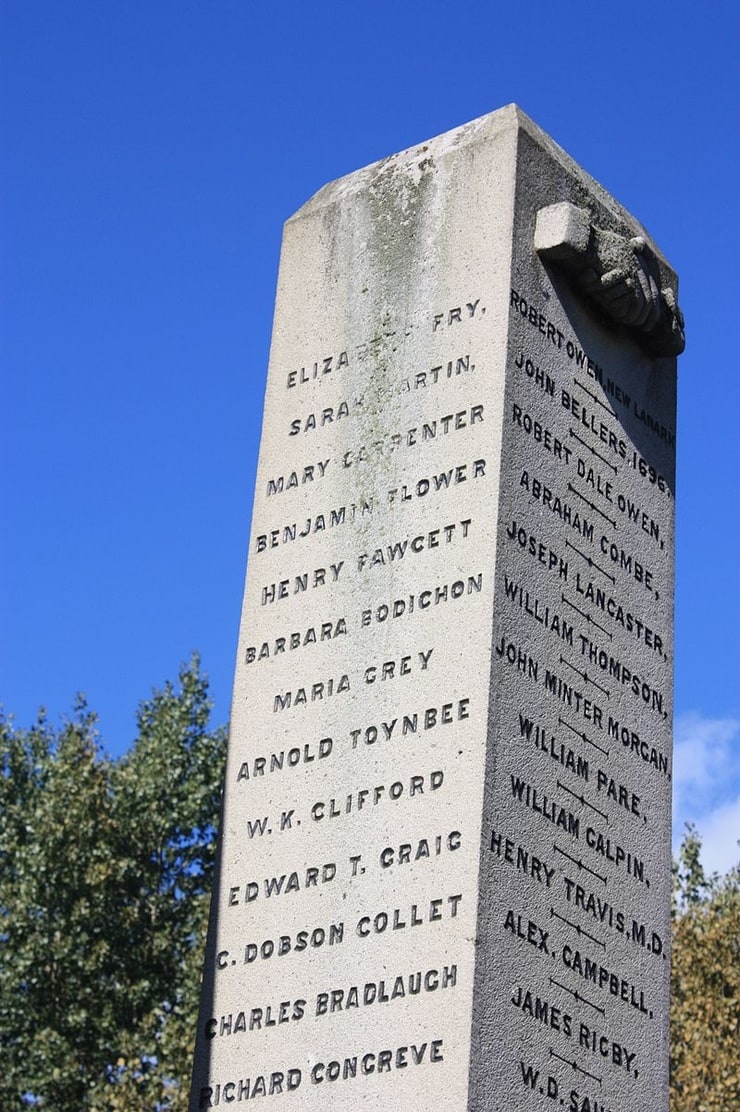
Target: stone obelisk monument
444,865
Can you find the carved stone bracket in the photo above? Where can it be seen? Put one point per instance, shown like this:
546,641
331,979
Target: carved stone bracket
620,276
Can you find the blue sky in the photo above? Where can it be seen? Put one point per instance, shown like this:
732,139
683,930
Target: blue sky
152,151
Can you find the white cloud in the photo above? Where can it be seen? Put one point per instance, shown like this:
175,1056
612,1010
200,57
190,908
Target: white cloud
720,833
706,786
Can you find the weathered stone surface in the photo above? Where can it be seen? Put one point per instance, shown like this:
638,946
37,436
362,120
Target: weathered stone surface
445,858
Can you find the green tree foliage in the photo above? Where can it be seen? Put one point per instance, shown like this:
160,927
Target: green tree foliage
105,871
705,986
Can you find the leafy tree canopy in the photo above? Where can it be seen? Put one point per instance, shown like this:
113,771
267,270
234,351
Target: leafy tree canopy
705,986
105,873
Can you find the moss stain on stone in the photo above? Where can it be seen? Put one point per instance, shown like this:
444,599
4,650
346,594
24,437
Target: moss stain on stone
396,204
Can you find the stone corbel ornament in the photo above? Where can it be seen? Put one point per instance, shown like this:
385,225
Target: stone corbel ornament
620,276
